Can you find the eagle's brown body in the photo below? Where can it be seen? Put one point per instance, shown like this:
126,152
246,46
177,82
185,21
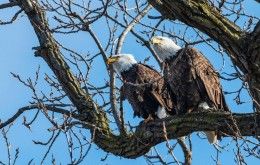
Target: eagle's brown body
145,90
193,80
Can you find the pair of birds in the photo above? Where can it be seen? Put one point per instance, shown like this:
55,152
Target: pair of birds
189,84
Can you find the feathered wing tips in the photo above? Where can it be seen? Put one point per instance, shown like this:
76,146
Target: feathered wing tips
211,136
161,112
207,80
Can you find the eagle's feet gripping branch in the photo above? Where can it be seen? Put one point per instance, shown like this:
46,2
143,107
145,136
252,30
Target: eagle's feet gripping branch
202,107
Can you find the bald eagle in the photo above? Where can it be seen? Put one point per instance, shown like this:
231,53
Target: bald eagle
191,78
143,87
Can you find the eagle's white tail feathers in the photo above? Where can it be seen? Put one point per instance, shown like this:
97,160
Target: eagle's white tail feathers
161,112
212,137
204,106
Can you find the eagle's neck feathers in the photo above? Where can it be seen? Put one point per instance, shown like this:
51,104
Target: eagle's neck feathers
168,51
166,48
124,64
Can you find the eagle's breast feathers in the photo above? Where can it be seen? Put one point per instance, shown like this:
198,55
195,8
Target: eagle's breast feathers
145,90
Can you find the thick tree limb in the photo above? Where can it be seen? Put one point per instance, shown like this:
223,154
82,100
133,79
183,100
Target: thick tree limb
148,135
50,52
253,53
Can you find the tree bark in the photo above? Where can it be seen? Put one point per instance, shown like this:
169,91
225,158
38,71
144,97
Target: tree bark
135,144
243,48
153,133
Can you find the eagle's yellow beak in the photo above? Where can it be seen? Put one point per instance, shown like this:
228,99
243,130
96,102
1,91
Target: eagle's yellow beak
112,59
156,40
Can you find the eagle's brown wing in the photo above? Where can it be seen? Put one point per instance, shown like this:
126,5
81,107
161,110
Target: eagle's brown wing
207,79
158,90
146,97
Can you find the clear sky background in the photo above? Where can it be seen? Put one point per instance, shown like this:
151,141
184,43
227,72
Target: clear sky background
17,56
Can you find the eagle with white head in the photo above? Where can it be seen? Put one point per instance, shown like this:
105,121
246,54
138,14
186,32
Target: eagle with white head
143,87
191,78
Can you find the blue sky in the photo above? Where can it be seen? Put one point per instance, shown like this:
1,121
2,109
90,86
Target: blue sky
16,42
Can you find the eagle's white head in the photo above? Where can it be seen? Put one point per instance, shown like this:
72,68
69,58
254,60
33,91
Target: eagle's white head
164,47
121,62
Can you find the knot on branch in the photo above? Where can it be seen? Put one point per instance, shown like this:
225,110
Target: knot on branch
41,51
86,26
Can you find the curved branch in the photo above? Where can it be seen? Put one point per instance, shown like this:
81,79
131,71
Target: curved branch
130,27
49,51
186,151
146,43
52,108
112,74
150,134
253,53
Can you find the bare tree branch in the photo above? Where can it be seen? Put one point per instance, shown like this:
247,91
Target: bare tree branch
130,27
186,151
52,108
150,134
10,4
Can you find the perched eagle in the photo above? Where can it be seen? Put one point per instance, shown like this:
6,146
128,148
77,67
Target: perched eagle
143,87
191,78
